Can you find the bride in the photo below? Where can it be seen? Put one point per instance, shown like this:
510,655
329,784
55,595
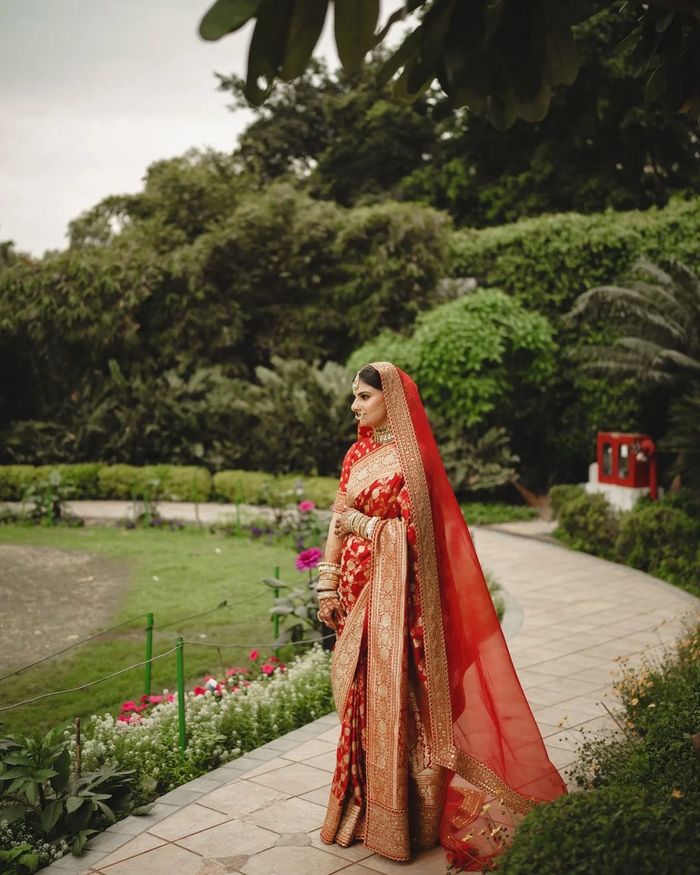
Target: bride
437,740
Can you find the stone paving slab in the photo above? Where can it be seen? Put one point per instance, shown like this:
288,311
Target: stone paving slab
579,616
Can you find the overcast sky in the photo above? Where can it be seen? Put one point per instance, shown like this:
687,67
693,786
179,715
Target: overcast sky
93,91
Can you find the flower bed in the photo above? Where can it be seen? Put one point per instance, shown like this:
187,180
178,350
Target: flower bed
225,718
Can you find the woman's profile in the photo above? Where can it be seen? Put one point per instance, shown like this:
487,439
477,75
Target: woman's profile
437,740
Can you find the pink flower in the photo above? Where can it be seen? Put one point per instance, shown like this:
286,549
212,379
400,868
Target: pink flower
306,506
129,706
155,700
230,672
308,559
171,697
266,668
253,655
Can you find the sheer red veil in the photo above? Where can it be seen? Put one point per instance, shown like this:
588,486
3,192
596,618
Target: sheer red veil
482,727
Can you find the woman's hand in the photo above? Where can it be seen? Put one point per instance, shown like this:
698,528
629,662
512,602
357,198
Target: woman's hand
330,612
341,524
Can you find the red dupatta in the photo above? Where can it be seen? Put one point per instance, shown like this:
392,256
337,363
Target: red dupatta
482,727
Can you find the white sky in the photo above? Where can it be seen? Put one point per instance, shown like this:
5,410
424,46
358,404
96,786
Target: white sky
93,91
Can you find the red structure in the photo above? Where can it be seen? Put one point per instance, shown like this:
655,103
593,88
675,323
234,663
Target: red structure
627,460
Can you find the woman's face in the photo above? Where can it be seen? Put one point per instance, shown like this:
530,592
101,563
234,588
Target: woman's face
369,407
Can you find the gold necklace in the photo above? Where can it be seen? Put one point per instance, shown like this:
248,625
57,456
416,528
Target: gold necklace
382,434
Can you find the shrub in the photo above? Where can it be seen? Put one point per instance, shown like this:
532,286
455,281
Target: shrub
663,541
257,487
82,479
561,495
15,480
186,483
602,831
588,522
643,783
548,261
130,481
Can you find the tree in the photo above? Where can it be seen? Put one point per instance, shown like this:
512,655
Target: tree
501,58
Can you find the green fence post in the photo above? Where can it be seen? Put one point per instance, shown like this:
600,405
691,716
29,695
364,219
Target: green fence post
276,617
149,654
180,654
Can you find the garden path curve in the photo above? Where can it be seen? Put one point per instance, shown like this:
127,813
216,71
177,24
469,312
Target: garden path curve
570,618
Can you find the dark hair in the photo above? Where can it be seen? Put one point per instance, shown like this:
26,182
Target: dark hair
370,375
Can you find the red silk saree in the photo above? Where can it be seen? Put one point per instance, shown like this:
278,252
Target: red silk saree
437,739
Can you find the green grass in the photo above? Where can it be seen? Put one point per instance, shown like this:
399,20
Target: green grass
478,514
172,574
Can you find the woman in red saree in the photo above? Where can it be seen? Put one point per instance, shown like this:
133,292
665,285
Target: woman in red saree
437,739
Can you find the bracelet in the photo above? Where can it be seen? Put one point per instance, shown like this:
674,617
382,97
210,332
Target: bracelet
327,594
328,566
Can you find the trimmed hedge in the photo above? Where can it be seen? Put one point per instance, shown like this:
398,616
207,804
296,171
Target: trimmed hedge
548,261
168,482
601,831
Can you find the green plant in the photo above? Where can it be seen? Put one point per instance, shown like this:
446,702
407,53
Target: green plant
46,499
561,495
600,832
588,522
663,541
37,787
187,483
484,514
220,727
644,780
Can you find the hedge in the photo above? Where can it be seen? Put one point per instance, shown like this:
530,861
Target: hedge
549,260
169,482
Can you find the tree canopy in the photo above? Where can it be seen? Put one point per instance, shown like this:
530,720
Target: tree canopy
500,58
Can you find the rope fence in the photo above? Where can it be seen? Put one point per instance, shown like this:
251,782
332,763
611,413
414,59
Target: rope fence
178,650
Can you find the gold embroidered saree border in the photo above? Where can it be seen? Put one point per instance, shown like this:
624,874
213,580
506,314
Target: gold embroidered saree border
347,652
387,678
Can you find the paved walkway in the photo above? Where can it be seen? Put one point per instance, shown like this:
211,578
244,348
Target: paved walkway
570,618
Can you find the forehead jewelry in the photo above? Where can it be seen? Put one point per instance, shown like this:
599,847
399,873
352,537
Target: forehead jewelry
356,382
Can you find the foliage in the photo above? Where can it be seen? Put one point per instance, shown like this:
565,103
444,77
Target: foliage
44,502
622,152
561,494
645,782
660,537
293,406
220,726
663,541
170,482
588,522
37,787
588,831
682,439
500,60
477,462
657,319
483,514
547,262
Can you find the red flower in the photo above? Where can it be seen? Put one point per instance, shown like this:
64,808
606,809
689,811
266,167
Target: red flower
199,691
306,506
253,655
272,659
308,559
230,672
129,706
267,668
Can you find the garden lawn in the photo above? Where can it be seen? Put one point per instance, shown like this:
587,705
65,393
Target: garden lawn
173,574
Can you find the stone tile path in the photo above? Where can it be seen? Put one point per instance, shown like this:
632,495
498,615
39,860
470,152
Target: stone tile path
570,618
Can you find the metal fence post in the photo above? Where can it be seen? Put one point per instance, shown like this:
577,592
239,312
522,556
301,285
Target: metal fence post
276,617
149,654
180,656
